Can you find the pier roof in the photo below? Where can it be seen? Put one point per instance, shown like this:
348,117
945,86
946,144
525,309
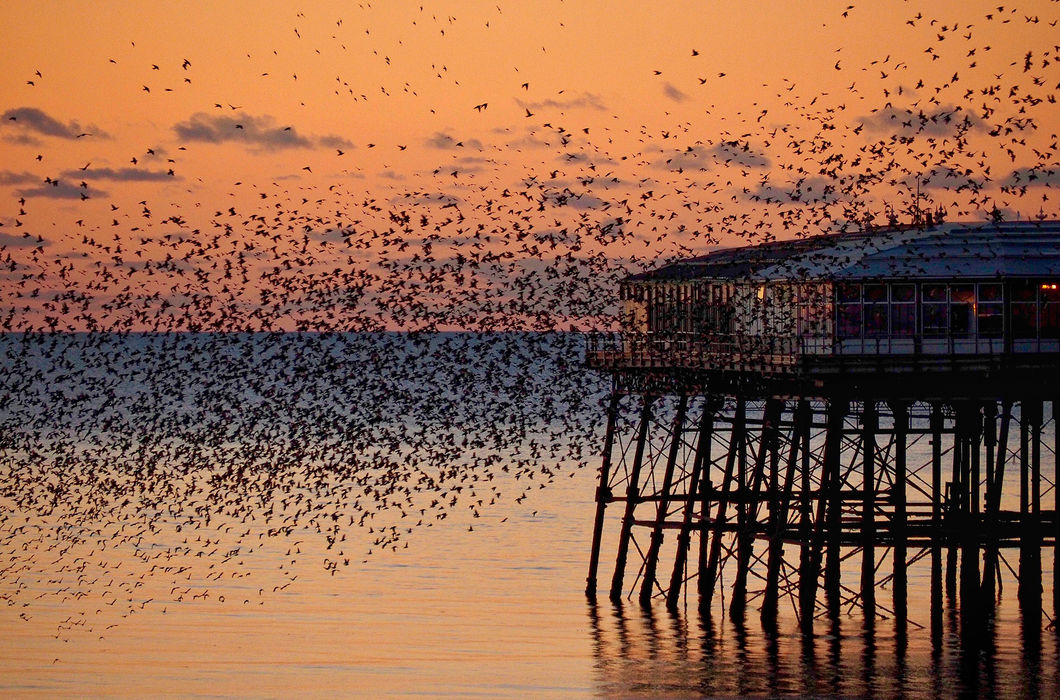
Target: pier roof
947,251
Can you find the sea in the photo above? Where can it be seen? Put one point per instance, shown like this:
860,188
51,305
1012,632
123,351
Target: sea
386,515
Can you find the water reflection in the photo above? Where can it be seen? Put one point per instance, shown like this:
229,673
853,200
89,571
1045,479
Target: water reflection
972,651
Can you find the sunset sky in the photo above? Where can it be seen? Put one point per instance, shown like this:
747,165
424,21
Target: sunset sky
482,165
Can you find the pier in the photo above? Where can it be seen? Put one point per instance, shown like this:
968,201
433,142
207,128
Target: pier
782,414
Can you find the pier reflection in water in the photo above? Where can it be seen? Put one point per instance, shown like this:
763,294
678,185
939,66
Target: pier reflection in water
940,651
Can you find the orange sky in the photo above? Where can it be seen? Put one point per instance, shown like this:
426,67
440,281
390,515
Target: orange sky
282,146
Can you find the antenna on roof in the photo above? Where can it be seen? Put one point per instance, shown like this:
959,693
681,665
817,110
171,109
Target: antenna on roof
916,205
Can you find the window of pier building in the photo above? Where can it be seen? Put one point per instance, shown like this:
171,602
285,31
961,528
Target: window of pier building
668,305
712,310
876,310
1035,309
947,310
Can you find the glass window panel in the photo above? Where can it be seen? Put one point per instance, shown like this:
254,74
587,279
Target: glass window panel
849,320
962,293
848,292
962,319
903,292
875,320
1024,291
1050,320
875,292
990,292
903,320
934,292
991,320
1024,320
1050,292
935,320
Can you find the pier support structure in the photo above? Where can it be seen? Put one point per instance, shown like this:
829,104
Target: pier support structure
760,499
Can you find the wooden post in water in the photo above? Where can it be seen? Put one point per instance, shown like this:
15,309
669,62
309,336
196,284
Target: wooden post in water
1056,511
746,534
936,470
779,517
702,457
708,573
1030,568
954,504
832,494
970,431
651,562
743,518
900,411
936,525
991,559
632,496
603,494
809,563
1024,467
869,426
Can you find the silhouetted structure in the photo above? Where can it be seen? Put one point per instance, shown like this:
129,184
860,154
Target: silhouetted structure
863,393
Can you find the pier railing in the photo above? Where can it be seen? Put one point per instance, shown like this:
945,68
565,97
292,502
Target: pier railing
763,353
790,354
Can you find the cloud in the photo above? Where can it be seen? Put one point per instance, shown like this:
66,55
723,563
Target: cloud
673,93
426,198
251,130
943,121
586,100
8,177
13,241
333,141
691,157
530,140
948,179
567,198
36,120
1024,177
445,142
22,139
809,190
61,190
120,175
739,153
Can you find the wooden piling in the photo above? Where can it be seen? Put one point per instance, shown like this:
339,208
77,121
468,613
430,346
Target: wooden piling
709,573
651,560
1030,566
632,495
831,490
780,506
702,457
603,493
900,413
870,424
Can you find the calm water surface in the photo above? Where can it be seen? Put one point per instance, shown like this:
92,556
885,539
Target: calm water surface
487,606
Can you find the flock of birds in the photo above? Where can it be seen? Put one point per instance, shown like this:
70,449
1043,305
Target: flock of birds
185,462
190,428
